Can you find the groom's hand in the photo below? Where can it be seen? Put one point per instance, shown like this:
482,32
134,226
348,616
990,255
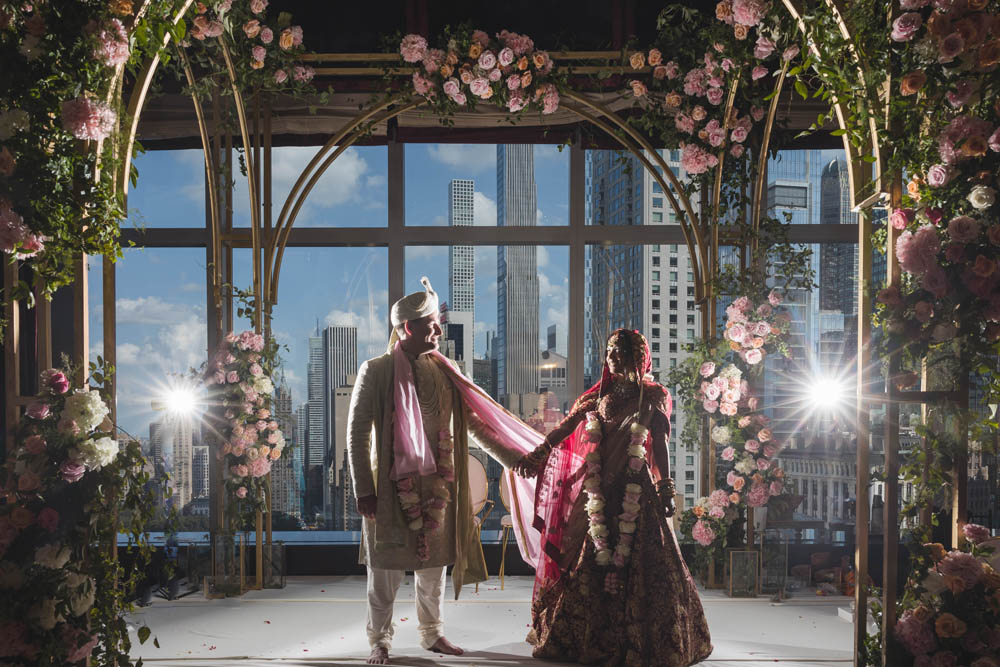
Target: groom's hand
367,506
526,467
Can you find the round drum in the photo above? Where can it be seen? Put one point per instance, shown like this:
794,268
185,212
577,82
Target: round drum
505,489
478,486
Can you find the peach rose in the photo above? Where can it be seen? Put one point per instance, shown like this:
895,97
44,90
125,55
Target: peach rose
637,60
922,614
475,50
286,40
655,57
522,63
738,483
740,31
955,584
949,626
672,100
937,551
912,82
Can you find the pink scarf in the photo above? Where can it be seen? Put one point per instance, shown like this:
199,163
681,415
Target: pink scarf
413,454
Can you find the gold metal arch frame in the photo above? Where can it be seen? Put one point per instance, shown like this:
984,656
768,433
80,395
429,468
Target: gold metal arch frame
702,240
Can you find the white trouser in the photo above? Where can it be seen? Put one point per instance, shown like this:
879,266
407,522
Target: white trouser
429,589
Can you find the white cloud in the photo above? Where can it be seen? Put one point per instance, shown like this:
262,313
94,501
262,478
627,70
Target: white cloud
484,210
191,287
469,157
439,221
127,353
427,253
375,180
153,310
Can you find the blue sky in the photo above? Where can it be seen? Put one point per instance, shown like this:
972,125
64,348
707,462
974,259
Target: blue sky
161,300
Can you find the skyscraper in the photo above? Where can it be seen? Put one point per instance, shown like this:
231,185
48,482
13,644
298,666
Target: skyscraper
462,275
171,444
649,288
317,424
285,490
517,278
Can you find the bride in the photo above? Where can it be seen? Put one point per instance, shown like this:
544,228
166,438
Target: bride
611,587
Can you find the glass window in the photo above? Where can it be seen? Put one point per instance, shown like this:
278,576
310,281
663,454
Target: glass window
673,261
656,216
479,184
656,332
353,192
656,275
689,459
673,277
170,191
656,289
657,202
673,304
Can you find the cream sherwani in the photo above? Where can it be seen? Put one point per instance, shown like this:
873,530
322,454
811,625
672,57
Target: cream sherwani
388,546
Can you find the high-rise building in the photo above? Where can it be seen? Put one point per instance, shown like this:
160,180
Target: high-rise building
517,279
286,494
342,498
461,258
838,261
649,288
199,472
317,424
171,443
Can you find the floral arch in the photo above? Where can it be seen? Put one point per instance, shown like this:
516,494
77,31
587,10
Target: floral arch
883,88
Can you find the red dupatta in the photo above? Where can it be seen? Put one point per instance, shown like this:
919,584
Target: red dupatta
561,481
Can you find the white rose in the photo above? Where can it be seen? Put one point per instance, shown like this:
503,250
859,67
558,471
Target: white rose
721,435
633,488
43,613
731,371
81,592
97,453
638,451
263,385
85,407
594,505
598,531
639,430
52,556
593,457
627,527
745,466
982,197
934,583
603,557
591,483
416,524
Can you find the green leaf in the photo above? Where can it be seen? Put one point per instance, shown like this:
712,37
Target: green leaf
800,88
144,633
838,133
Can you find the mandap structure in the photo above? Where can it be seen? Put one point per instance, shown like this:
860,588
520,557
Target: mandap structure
907,89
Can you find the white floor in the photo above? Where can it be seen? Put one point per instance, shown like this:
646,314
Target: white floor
319,621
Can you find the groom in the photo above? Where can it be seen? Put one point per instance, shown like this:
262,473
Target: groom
410,417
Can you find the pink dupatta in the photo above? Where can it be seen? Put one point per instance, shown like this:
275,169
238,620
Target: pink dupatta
516,435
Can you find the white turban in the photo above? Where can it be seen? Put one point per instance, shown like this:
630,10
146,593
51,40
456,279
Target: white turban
416,305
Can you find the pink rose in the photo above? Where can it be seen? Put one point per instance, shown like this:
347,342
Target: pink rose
994,141
759,72
764,434
736,150
763,48
752,446
266,35
754,356
777,487
28,481
757,113
963,229
505,57
964,90
728,453
901,217
251,28
707,369
710,406
413,48
71,471
241,492
86,118
714,95
34,444
936,282
258,6
739,134
259,53
939,175
728,409
983,266
38,410
487,60
232,377
790,52
976,533
950,47
906,26
48,519
749,12
753,402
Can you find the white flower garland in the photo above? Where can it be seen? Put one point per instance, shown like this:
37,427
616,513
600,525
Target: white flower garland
428,517
598,530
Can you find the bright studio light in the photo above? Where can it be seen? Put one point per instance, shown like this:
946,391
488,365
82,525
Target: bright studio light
180,400
826,393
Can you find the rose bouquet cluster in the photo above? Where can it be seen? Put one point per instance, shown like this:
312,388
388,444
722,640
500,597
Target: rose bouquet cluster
62,443
505,69
241,371
755,331
948,235
952,605
690,96
269,48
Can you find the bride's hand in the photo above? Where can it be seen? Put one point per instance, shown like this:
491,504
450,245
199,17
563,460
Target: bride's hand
526,467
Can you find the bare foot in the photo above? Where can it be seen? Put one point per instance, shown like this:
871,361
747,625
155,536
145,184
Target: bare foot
379,656
442,645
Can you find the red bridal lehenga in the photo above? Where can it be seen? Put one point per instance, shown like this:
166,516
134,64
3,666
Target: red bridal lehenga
649,612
